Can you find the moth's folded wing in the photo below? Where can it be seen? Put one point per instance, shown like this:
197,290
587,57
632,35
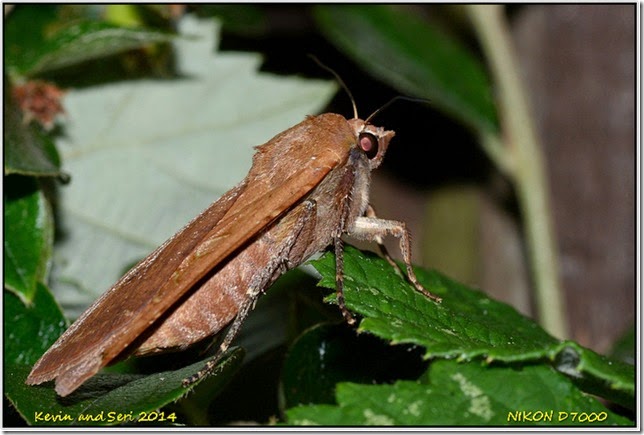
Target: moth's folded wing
138,299
113,321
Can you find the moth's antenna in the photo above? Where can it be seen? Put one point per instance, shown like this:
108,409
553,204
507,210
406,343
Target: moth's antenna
339,79
388,103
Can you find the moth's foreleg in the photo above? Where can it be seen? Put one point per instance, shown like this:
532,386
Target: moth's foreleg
371,213
371,228
339,280
251,298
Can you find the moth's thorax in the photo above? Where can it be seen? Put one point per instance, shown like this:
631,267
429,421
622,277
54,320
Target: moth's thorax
359,197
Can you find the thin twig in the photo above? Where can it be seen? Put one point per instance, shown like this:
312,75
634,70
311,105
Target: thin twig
526,164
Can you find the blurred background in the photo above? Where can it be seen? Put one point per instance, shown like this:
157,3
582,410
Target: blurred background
453,172
516,176
577,63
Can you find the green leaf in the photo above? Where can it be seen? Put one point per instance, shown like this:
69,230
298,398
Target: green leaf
28,230
123,15
400,48
457,394
111,399
78,42
598,374
139,149
624,348
330,353
147,156
17,42
248,19
30,329
27,149
466,325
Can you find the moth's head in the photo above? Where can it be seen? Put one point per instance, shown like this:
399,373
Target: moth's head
372,140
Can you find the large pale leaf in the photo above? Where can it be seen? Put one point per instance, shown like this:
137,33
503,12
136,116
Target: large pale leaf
147,156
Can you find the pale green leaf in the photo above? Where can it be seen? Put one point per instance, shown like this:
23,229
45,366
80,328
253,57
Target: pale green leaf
147,156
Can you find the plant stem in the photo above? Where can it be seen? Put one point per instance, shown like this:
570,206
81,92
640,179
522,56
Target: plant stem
526,164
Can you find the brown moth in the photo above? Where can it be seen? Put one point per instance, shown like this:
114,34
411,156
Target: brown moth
307,187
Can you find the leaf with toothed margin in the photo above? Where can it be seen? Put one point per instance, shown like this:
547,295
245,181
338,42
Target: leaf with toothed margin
467,325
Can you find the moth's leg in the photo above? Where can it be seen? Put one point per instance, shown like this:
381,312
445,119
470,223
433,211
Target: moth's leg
371,213
305,216
247,306
374,229
339,280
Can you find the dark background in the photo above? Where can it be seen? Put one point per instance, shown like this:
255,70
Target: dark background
578,64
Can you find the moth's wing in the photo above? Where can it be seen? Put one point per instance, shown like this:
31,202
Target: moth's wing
125,311
78,352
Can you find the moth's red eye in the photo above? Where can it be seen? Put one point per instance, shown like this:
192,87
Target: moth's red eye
369,144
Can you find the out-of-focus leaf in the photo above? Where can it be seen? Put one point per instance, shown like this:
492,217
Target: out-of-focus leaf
28,237
110,399
30,330
125,15
400,48
330,353
76,43
147,156
38,19
241,18
624,348
27,149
